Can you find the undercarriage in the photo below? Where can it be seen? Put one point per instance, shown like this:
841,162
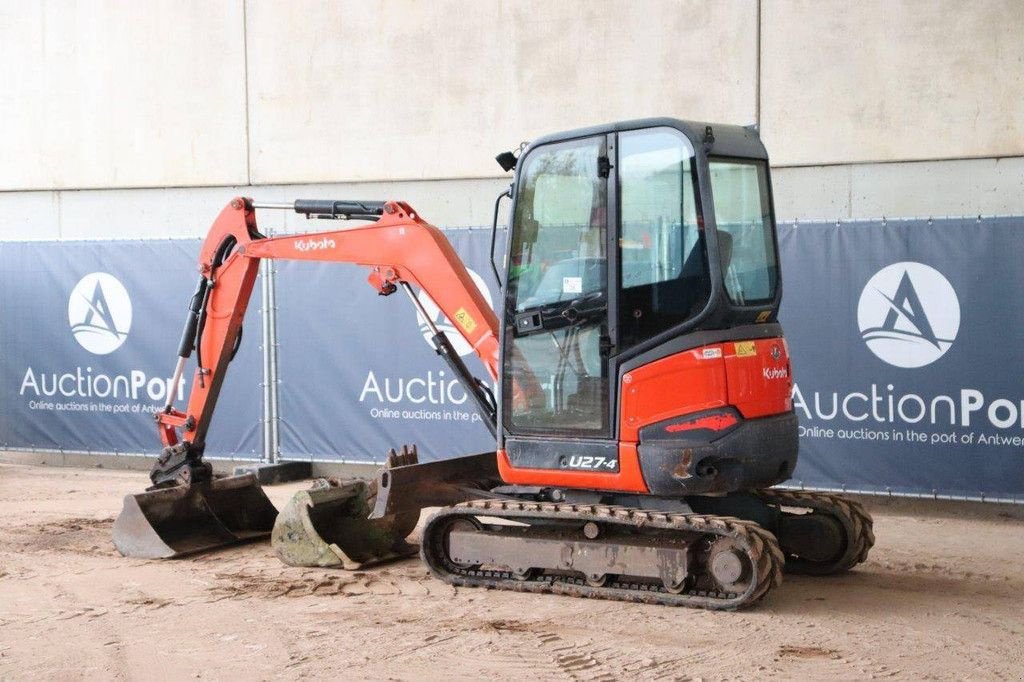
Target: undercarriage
651,555
603,552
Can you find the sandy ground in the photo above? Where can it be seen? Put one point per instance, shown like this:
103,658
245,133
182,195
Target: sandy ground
940,597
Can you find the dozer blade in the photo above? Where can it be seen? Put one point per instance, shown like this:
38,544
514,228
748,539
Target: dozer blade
172,522
328,526
410,486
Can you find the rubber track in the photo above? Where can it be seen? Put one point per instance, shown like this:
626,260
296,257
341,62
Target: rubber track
760,545
856,521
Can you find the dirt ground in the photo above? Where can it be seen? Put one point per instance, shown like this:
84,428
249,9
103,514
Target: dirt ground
940,597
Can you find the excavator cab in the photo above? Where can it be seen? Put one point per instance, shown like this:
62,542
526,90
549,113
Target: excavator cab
640,254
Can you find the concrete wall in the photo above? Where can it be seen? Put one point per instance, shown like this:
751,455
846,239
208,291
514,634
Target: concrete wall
189,211
414,90
143,119
121,94
888,80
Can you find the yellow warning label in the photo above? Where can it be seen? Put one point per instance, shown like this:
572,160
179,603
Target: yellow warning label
465,320
763,316
745,349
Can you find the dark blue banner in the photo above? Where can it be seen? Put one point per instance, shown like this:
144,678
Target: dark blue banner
88,339
357,372
906,339
907,343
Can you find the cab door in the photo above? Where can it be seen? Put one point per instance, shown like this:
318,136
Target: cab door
557,398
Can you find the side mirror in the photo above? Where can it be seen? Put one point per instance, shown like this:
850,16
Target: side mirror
507,161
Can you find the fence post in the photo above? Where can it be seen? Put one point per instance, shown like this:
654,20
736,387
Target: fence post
267,340
274,431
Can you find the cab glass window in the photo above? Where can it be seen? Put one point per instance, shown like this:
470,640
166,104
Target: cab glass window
746,237
662,254
555,376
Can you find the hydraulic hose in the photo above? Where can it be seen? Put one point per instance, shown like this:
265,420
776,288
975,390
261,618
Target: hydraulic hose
222,252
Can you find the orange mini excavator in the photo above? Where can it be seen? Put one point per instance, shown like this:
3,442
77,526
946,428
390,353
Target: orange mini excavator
643,408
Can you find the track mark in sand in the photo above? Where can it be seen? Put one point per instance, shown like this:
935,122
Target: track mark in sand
77,535
997,624
86,612
428,641
509,648
942,568
77,524
566,656
147,602
297,582
790,651
578,660
508,625
860,663
934,582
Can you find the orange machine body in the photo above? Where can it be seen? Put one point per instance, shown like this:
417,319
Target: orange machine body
752,376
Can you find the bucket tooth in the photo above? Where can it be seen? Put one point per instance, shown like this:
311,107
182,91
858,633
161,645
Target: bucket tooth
408,455
172,522
328,525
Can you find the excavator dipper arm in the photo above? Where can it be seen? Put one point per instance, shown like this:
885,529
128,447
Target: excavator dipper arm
400,249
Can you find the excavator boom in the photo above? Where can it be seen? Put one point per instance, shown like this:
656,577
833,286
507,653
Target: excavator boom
400,250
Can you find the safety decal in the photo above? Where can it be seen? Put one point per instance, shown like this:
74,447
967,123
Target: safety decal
465,320
745,349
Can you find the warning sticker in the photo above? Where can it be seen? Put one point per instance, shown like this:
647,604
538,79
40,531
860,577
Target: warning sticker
572,285
465,320
746,349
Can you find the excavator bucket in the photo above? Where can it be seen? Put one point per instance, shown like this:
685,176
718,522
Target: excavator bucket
329,524
172,522
353,523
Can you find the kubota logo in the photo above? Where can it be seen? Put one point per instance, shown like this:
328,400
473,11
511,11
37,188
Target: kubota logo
908,314
443,323
314,244
100,313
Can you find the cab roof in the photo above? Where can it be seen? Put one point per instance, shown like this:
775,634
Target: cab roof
726,139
